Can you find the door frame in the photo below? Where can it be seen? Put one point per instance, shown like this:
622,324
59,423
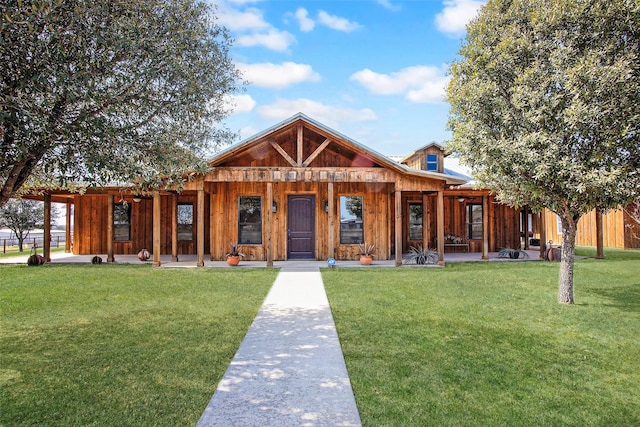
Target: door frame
313,228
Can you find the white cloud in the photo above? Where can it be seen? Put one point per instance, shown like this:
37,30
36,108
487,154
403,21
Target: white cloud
456,14
239,103
272,39
306,24
243,1
388,5
278,76
336,22
248,131
419,84
250,27
330,115
250,19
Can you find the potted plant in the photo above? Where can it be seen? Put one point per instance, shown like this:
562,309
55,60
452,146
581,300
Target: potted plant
421,255
512,253
233,257
366,253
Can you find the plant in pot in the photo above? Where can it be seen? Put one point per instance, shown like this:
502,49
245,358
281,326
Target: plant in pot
421,255
366,253
233,257
512,253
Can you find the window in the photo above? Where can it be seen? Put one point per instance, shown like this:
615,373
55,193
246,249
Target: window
432,162
121,221
185,221
415,221
250,220
474,221
559,223
351,223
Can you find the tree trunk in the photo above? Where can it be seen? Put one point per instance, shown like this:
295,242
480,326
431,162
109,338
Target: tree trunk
565,285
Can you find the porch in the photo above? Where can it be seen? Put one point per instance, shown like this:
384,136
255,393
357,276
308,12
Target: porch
190,261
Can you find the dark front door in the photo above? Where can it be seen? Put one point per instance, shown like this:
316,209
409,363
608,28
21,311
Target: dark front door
301,220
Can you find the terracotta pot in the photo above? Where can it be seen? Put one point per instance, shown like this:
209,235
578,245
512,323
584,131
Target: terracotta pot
144,255
366,259
233,260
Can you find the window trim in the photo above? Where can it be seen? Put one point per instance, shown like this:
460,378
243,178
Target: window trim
127,224
240,224
435,162
191,239
469,210
421,221
358,239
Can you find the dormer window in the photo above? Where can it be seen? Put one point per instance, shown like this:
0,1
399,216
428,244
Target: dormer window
432,162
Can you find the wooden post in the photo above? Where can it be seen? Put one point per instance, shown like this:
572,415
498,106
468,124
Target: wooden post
67,240
174,227
331,220
157,205
110,257
440,226
398,225
426,233
485,227
525,226
46,244
599,235
543,232
212,226
300,146
269,229
200,227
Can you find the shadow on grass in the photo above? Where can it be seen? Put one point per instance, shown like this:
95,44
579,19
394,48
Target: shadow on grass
623,297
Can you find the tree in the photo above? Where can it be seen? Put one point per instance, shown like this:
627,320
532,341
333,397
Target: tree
544,108
103,92
22,216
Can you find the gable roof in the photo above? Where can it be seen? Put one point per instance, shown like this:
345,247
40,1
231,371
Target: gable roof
344,143
424,147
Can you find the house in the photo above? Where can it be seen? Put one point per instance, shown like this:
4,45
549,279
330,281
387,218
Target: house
301,190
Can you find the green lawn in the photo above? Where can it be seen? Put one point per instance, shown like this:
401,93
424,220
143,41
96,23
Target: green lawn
486,344
117,344
470,344
12,251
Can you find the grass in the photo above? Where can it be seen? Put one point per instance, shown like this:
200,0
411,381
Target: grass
12,251
487,343
117,344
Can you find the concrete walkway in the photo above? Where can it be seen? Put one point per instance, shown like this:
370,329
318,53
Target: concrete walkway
289,369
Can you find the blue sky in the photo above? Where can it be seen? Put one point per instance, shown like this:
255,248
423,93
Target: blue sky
374,70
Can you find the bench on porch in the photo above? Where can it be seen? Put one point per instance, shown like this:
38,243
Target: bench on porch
456,245
451,241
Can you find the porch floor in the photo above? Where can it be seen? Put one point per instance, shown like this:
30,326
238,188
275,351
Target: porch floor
186,261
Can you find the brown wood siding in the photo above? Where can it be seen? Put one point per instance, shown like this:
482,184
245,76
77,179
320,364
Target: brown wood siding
506,228
631,232
225,213
615,232
418,160
90,216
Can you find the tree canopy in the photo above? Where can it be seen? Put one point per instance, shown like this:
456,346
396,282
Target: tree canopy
545,107
109,92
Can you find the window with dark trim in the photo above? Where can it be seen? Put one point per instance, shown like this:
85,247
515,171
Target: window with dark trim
185,221
121,222
432,162
250,220
351,222
474,221
415,221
